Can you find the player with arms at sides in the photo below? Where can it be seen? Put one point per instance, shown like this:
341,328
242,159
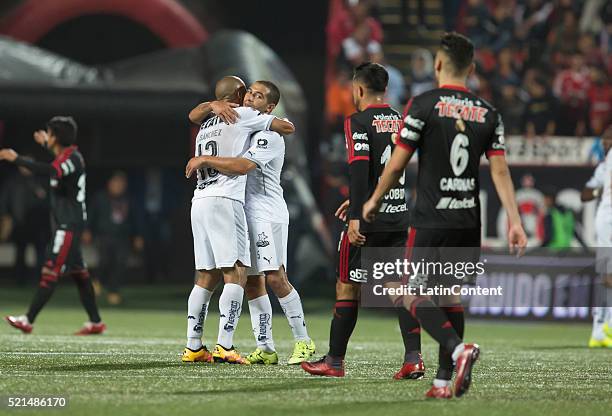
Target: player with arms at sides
68,216
268,221
218,222
451,128
599,186
369,134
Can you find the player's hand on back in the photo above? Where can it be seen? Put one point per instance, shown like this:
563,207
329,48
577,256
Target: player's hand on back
342,209
354,236
225,111
370,208
8,154
517,239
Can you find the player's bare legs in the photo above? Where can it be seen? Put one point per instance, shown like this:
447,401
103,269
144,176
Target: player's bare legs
197,309
230,306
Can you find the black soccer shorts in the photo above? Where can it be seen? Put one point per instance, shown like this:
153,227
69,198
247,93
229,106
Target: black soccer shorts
437,245
349,268
64,253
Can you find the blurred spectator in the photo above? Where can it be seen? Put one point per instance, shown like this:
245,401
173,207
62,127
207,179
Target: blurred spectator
506,70
478,23
503,22
588,48
345,18
339,98
571,87
421,72
511,107
24,218
540,111
599,101
563,39
559,224
113,225
358,47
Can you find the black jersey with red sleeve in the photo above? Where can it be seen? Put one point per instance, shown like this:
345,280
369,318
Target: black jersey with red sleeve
451,128
369,145
67,199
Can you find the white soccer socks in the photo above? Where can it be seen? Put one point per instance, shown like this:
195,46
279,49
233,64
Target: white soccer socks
197,308
230,305
261,320
292,306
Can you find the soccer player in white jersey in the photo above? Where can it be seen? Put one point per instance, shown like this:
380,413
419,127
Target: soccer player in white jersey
268,221
599,186
218,222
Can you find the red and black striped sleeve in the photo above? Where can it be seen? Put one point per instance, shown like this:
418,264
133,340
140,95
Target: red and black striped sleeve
358,149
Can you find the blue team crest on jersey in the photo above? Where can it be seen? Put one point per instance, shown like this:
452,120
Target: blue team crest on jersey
262,240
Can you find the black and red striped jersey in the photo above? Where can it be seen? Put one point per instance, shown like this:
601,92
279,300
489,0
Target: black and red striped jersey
451,128
369,146
67,199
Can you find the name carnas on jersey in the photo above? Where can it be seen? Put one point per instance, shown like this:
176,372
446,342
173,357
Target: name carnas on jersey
216,138
451,128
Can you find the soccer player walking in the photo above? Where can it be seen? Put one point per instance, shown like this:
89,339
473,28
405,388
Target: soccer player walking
451,128
68,216
369,141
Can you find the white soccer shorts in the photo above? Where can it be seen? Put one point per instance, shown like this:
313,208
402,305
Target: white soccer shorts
268,246
220,235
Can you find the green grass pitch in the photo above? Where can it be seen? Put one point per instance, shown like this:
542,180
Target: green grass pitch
134,369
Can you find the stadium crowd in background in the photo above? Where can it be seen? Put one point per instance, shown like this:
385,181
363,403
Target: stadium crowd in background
544,64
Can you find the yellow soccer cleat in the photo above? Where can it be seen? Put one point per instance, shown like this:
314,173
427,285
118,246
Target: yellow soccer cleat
607,330
302,352
221,355
603,343
201,355
261,357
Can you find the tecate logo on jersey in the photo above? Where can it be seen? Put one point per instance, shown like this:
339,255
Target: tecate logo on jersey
448,202
361,146
393,209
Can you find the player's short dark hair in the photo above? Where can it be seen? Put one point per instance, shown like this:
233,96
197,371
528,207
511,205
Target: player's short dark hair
64,128
274,95
374,76
459,49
